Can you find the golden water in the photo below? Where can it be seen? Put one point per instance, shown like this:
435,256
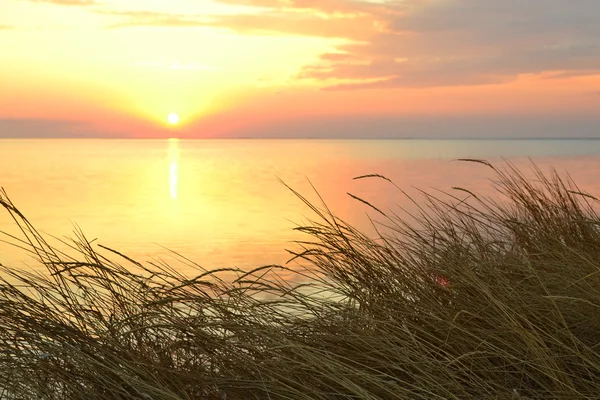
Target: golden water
220,203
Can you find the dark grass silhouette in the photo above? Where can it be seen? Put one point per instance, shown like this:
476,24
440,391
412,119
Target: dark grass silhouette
477,299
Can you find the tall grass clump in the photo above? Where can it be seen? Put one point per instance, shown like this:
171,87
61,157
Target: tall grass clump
469,298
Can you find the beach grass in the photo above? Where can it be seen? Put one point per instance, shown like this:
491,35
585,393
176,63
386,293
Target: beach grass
469,298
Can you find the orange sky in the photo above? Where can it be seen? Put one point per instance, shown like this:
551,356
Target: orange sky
297,67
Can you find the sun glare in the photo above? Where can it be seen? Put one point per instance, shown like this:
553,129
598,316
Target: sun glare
173,118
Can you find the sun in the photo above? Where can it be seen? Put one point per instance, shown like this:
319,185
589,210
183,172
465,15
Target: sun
173,118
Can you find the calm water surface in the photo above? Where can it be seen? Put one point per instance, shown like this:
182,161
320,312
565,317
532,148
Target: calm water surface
220,202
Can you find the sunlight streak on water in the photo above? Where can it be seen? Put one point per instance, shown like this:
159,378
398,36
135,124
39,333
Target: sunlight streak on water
173,167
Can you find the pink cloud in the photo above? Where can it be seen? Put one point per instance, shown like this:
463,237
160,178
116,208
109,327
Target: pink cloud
419,43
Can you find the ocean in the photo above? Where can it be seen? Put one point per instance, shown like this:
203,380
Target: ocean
224,203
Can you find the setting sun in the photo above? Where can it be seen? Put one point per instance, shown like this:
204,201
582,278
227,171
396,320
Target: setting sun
173,118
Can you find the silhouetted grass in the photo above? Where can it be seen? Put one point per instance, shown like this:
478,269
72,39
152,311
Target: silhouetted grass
477,299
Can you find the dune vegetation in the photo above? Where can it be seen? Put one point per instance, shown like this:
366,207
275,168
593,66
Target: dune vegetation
471,298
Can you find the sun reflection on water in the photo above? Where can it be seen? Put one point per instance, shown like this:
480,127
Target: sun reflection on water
173,167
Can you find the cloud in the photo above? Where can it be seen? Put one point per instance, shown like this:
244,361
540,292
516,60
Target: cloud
270,22
44,128
294,24
468,42
151,18
418,43
398,126
324,6
67,2
356,127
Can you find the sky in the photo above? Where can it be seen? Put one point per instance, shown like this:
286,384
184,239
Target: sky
300,68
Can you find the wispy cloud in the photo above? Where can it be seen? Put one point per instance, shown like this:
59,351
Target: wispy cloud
190,66
68,2
416,43
324,6
469,42
152,18
303,24
269,22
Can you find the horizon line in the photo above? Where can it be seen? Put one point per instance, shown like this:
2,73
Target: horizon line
298,138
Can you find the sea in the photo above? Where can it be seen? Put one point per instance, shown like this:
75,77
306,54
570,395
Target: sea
236,203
